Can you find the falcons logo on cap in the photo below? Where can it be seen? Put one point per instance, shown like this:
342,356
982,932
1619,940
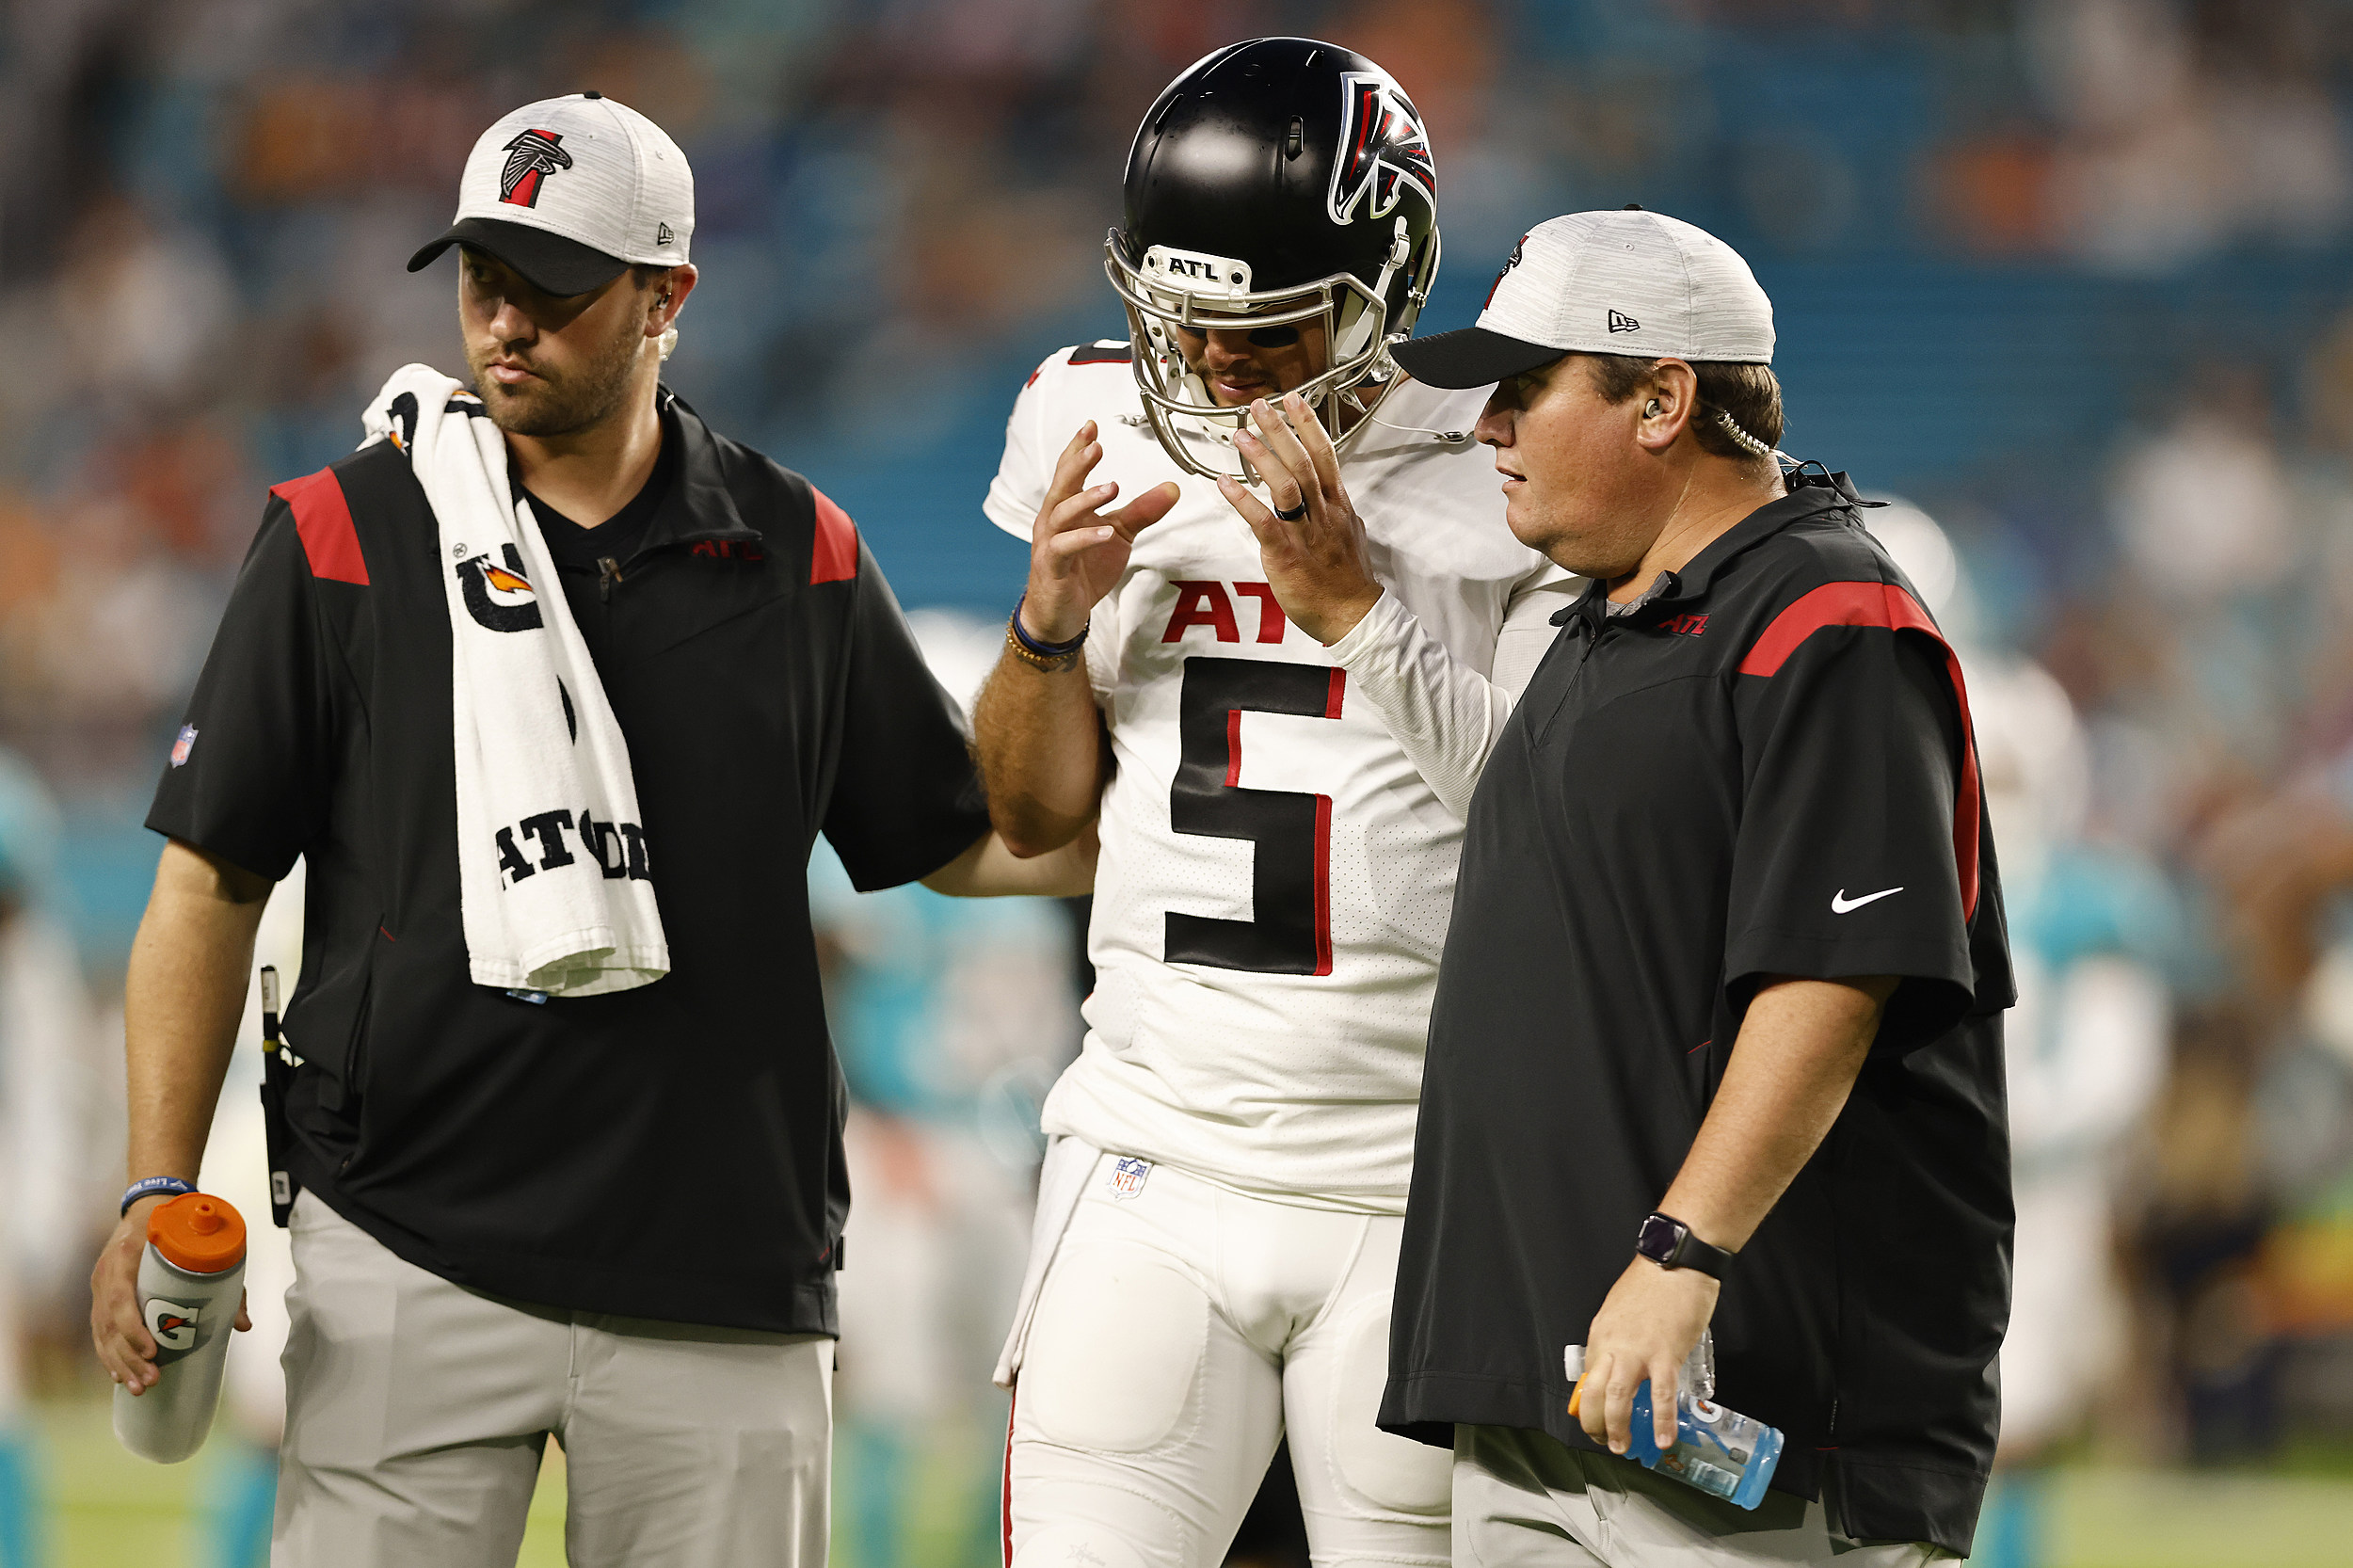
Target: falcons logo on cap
1382,150
530,159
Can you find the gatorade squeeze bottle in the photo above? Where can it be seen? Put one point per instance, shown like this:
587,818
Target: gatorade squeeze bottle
1722,1453
190,1281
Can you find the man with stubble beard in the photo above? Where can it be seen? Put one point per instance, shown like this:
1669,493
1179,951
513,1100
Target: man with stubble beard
565,1127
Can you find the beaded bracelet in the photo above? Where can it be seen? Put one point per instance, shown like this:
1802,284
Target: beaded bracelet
1041,655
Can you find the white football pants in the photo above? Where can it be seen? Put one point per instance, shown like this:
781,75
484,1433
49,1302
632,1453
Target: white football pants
1180,1329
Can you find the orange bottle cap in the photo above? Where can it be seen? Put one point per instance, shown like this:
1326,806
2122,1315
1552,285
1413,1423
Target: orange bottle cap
198,1232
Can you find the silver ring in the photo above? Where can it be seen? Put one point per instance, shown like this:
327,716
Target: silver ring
1295,513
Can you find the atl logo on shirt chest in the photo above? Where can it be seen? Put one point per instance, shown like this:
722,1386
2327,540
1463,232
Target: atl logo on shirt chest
1203,603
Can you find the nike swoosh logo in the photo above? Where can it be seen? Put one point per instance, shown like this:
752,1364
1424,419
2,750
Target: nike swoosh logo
1840,903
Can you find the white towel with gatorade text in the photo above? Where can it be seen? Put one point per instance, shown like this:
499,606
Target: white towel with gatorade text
556,879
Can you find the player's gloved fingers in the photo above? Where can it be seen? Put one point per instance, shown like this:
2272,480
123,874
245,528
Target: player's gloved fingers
1321,455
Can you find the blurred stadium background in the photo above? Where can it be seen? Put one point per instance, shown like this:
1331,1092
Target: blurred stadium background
2071,277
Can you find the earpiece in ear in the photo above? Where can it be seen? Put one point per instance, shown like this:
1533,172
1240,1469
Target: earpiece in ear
1650,409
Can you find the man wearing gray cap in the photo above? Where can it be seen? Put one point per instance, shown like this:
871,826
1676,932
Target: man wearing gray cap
1717,1039
552,688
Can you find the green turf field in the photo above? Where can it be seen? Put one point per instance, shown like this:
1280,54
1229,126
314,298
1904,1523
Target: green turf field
112,1510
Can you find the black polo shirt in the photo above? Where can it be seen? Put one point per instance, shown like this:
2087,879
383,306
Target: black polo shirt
672,1151
1762,769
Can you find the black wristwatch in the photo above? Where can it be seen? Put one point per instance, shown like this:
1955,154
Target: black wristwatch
1668,1243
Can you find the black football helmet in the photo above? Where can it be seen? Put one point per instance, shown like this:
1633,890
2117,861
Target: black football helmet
1276,183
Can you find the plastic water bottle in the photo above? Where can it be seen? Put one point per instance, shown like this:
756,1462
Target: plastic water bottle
190,1282
1722,1453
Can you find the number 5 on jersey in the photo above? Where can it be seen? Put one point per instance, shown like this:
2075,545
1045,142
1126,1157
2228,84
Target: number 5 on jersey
1291,830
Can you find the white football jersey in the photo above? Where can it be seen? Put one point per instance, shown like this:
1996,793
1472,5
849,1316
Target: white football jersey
1277,876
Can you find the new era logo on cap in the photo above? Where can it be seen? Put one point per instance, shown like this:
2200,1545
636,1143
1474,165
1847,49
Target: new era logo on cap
1620,322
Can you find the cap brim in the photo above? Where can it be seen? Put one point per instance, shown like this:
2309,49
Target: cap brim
1470,357
549,263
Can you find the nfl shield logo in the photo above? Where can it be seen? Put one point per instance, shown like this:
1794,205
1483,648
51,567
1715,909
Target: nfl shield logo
1127,1174
186,744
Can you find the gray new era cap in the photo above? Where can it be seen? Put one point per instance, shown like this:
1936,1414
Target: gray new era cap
569,191
1605,282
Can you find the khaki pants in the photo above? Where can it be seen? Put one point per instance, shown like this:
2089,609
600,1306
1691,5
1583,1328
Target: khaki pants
1523,1500
417,1413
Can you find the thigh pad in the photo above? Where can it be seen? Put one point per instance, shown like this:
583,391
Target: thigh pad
1115,1350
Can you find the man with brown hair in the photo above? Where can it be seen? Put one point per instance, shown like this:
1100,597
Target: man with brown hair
552,687
1724,985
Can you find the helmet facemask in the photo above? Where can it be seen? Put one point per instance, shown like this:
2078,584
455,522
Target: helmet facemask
1174,289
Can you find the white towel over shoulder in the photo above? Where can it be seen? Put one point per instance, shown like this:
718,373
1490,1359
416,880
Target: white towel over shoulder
554,875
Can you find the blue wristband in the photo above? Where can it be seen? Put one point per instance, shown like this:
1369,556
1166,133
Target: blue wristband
1045,649
154,1185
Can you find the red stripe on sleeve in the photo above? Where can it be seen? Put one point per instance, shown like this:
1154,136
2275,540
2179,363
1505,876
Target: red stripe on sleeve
833,555
1338,694
1885,605
323,520
1233,748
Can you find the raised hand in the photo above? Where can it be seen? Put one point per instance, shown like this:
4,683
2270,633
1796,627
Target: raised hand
1076,551
1311,541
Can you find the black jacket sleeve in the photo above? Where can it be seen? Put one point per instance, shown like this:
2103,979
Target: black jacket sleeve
249,774
906,798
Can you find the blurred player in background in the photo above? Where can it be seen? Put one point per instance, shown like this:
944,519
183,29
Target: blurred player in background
952,1018
1278,716
2086,1047
48,1124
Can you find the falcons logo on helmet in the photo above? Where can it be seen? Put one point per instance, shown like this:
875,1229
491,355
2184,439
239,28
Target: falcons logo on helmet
530,159
1383,150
